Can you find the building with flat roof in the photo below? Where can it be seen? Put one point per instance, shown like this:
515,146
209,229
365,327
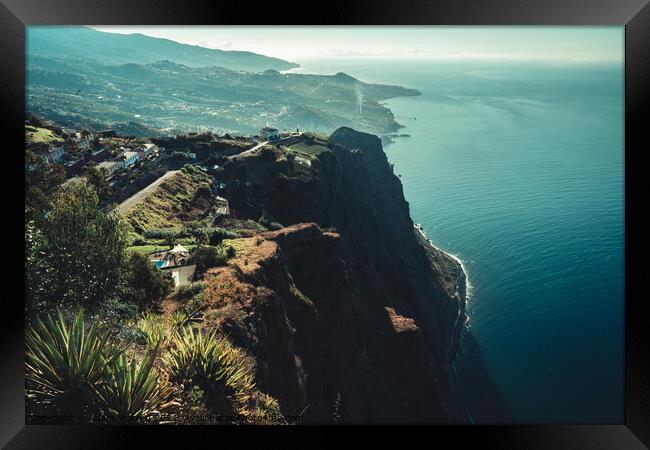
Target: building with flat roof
56,154
221,206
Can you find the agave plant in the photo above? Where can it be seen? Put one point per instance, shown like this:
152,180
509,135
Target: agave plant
179,318
72,370
132,390
265,410
184,316
153,329
213,364
64,362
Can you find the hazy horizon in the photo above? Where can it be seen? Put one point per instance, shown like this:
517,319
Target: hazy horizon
574,44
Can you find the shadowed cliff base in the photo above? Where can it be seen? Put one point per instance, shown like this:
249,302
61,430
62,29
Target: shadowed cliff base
487,405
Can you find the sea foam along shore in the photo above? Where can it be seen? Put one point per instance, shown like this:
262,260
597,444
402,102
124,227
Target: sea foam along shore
462,288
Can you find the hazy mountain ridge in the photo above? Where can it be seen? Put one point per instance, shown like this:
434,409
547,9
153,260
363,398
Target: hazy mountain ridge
172,96
114,48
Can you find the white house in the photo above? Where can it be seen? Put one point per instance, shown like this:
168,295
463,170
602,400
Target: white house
149,149
221,206
56,153
182,275
83,143
130,158
269,133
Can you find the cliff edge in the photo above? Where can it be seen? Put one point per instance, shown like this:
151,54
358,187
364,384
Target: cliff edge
351,315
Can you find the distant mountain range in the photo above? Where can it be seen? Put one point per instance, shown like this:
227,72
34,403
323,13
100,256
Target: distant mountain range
114,48
148,86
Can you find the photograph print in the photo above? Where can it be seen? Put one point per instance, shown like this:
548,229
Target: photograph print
294,225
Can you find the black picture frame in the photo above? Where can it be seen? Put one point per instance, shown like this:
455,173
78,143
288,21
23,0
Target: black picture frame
633,14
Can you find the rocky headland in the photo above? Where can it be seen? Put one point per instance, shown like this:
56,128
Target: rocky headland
350,313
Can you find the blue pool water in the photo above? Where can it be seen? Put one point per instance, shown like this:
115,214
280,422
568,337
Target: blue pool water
159,263
518,169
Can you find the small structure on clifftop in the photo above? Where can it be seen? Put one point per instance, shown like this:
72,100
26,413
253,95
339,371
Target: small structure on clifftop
269,134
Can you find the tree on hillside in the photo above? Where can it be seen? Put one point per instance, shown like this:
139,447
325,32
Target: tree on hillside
96,176
146,284
200,236
77,255
41,179
39,268
206,257
242,173
179,157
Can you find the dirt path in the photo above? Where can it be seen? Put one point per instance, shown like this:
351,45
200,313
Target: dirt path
126,204
244,154
249,151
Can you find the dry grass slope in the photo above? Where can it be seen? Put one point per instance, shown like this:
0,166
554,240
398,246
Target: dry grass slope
164,205
38,135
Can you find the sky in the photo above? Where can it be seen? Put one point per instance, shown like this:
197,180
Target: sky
553,44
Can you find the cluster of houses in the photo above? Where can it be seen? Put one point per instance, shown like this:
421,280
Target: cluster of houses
129,157
82,147
64,152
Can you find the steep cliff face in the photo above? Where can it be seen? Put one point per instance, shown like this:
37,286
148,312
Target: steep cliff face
356,324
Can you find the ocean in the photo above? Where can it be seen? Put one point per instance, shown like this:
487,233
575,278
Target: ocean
518,170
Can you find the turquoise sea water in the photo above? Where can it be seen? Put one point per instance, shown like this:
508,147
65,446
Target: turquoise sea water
518,169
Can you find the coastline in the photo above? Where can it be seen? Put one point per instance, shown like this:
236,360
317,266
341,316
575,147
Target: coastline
461,294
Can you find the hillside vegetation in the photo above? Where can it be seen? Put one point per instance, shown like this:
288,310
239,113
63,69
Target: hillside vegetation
314,302
175,200
37,135
146,86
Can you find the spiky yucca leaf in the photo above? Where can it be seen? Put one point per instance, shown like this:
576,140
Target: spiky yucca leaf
64,361
183,317
131,389
213,364
179,318
153,328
